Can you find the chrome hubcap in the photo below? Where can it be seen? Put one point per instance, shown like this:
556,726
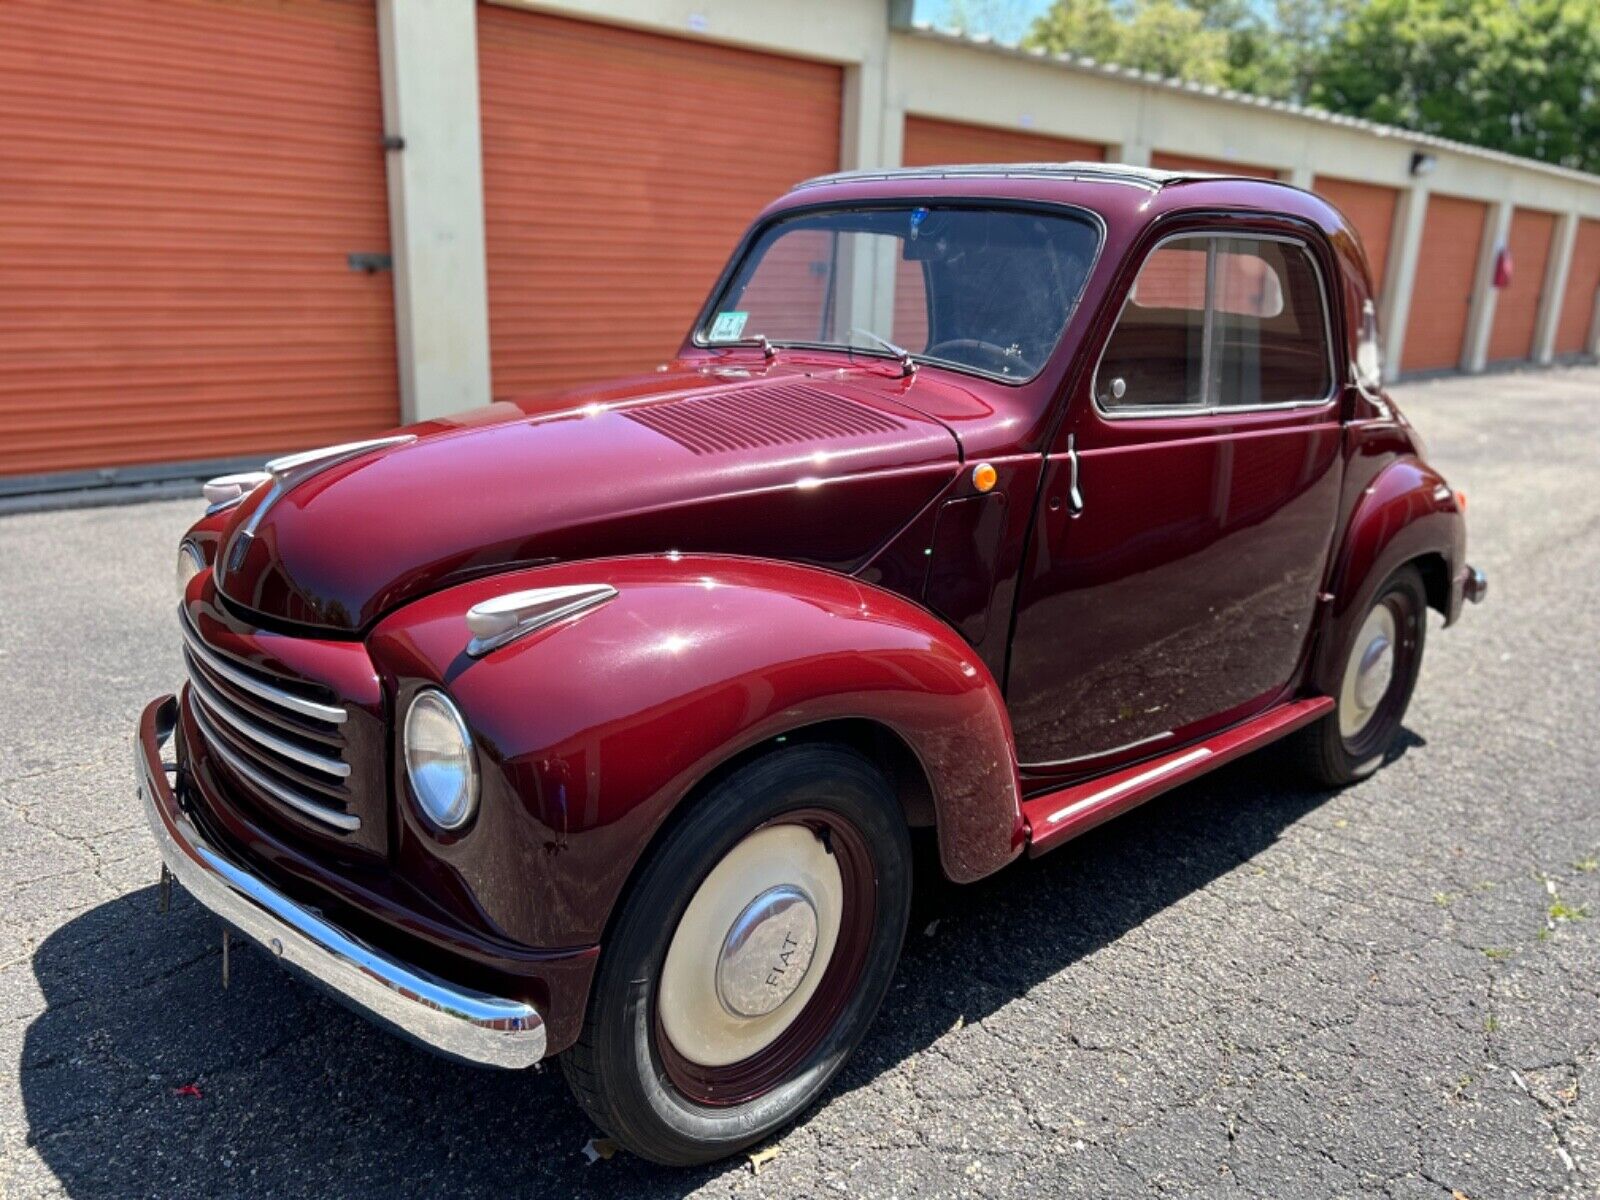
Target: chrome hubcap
767,953
1368,672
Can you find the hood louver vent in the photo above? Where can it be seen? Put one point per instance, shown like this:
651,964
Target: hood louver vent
775,415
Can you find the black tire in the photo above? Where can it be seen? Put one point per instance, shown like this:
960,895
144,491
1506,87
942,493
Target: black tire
617,1070
1321,752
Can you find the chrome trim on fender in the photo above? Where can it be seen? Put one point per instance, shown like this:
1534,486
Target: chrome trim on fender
503,619
277,789
306,708
458,1022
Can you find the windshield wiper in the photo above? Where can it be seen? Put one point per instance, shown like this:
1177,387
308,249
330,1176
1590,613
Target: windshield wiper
908,365
768,350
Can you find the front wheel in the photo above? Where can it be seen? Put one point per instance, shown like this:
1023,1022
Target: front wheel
1381,667
749,958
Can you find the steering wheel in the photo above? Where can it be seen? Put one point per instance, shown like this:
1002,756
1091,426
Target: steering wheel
1004,361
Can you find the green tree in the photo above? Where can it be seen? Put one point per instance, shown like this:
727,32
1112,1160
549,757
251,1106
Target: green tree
1523,77
1169,37
1242,44
1090,27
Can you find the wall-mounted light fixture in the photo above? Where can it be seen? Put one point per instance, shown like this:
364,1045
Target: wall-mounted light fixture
1422,164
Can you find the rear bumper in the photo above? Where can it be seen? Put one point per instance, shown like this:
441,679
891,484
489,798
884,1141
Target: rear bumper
1468,586
460,1023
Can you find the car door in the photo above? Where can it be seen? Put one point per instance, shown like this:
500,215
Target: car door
1188,507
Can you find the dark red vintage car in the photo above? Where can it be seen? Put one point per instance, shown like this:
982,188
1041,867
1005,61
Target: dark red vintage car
598,724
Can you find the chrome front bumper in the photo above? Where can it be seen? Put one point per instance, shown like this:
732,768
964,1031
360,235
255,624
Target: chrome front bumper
457,1022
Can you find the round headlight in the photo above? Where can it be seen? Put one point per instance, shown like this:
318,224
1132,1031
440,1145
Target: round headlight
439,762
190,563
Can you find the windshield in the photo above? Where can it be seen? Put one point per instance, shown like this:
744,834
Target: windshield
980,289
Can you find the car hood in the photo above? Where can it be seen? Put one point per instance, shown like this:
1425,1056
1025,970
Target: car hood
818,467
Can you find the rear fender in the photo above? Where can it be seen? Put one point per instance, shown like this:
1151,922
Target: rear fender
1405,513
592,731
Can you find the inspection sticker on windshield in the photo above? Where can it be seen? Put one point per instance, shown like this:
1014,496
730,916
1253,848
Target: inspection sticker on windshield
729,326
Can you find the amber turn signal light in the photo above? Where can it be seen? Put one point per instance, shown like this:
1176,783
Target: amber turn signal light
984,477
1461,501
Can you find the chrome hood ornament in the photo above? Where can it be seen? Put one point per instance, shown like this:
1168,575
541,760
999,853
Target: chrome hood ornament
227,490
505,618
292,469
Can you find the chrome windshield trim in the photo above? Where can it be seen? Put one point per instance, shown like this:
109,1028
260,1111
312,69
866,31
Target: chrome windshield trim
265,691
219,708
301,803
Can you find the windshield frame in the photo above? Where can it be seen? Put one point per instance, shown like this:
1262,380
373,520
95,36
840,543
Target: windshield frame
752,236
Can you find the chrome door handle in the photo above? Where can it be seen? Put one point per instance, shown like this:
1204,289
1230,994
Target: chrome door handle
1074,493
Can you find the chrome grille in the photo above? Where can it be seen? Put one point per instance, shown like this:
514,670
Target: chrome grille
282,743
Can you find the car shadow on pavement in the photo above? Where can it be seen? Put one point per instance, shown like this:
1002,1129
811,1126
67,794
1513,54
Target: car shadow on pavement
143,1076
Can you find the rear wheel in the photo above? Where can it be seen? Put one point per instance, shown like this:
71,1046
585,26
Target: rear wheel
1380,672
748,959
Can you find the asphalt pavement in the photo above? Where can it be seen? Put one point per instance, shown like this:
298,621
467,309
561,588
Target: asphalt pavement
1244,988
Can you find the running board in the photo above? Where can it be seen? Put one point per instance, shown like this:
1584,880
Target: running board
1057,817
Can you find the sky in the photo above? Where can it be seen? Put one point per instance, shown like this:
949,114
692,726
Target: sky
1005,19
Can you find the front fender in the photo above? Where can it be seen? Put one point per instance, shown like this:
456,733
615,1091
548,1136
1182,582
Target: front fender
1405,513
591,731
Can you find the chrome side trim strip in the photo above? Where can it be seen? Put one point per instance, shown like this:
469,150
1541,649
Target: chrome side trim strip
219,708
1067,762
458,1022
283,699
301,803
1127,785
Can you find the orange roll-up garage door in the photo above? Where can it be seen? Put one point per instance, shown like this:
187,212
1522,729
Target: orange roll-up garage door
1583,281
1516,312
930,142
1370,208
1447,264
1163,161
619,170
181,182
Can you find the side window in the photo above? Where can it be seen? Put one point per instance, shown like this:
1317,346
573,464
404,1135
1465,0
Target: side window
1269,338
1219,322
1155,358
